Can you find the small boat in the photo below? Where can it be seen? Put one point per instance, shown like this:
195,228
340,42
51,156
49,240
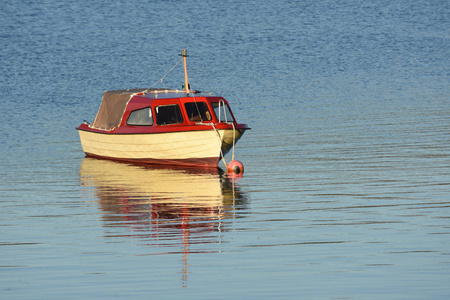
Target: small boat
162,126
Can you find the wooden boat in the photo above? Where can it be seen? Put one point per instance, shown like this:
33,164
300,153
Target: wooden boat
162,126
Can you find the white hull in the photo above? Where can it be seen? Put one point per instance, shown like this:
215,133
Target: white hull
163,147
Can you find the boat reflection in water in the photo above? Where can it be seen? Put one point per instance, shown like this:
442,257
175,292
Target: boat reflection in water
183,208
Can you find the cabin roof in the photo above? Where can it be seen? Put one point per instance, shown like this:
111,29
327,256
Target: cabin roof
153,93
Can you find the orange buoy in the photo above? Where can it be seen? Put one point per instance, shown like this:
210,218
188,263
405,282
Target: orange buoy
235,167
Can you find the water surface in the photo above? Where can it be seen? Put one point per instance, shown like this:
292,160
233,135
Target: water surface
346,187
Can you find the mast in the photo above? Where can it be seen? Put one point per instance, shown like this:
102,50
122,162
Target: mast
186,81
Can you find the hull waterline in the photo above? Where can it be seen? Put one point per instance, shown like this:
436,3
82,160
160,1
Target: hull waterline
202,148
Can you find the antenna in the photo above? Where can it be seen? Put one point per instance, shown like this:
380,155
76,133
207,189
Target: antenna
186,81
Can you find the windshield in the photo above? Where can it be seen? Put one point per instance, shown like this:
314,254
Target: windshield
222,112
197,111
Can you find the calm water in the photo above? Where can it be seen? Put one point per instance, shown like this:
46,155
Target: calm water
346,187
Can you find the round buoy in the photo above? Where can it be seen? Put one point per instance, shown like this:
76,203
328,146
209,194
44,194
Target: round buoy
235,167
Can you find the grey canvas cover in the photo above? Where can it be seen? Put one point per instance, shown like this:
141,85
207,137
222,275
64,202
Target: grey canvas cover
112,108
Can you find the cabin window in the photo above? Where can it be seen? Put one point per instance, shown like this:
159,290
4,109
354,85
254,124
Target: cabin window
197,111
168,114
222,112
141,117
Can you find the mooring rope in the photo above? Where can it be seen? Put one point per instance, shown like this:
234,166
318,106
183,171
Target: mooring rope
220,145
234,140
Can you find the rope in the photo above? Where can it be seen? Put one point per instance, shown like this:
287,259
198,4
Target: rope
220,144
198,109
161,80
234,139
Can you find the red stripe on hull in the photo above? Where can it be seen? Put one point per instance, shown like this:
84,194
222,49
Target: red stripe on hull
206,162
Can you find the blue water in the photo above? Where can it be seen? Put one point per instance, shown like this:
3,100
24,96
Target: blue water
346,187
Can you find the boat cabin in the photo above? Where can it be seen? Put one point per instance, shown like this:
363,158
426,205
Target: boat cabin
157,110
